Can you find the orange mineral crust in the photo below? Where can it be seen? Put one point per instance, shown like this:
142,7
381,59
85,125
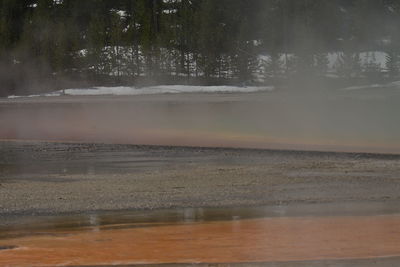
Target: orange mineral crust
253,240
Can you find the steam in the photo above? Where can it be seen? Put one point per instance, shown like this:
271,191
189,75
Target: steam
313,120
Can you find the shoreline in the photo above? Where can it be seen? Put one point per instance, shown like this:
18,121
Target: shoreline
182,214
194,147
59,196
46,179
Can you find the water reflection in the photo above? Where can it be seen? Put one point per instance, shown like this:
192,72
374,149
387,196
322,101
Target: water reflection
193,215
94,222
27,225
273,239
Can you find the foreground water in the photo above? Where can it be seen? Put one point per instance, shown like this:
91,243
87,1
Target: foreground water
247,235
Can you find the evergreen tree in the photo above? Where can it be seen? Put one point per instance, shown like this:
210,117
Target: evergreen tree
210,36
115,35
12,15
392,63
321,61
372,68
304,38
348,64
150,21
273,67
184,35
214,39
245,60
97,62
134,61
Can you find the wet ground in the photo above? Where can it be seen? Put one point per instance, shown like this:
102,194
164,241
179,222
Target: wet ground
204,237
54,178
97,204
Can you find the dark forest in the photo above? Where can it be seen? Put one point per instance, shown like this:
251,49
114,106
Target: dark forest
53,44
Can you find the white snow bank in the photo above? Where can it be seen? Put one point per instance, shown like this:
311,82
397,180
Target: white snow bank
370,86
374,86
16,96
163,89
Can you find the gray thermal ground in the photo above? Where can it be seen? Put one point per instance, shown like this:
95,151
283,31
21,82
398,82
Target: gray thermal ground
65,178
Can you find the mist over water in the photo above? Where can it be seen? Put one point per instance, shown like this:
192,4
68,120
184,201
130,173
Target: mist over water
295,75
312,47
357,121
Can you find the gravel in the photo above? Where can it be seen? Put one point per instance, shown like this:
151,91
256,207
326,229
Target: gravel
57,178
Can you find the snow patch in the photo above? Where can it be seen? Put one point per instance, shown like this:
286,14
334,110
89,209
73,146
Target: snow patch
350,88
163,89
395,85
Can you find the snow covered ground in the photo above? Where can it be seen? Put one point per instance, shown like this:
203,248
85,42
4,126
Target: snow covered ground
162,89
177,89
395,85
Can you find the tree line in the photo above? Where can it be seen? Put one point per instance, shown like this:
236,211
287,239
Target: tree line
58,43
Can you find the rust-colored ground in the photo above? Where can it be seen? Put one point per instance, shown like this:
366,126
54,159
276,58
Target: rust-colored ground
254,240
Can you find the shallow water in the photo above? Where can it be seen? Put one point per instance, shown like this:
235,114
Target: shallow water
261,234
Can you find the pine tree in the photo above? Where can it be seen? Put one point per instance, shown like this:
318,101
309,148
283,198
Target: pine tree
184,36
392,63
304,38
97,62
12,15
211,34
134,61
150,30
321,63
115,35
245,59
273,67
372,68
348,64
210,38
